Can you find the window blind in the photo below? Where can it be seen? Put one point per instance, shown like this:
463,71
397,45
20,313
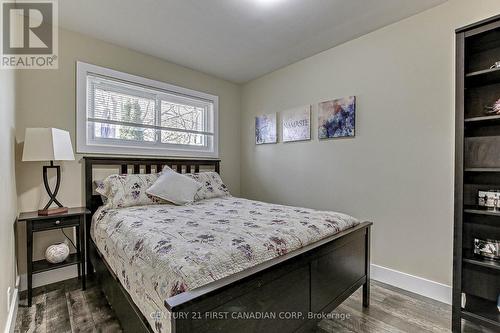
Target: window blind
123,112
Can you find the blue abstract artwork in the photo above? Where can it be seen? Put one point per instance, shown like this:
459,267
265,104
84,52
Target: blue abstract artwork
336,118
265,129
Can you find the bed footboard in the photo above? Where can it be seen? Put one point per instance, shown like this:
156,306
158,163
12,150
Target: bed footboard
289,295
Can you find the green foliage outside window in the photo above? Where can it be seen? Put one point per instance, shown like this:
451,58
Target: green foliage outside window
131,113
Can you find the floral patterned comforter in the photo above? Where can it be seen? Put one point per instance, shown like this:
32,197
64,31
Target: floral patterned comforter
159,251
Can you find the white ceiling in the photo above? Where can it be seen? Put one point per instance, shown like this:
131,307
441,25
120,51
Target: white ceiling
237,40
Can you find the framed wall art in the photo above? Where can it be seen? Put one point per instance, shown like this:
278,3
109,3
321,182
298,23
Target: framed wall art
336,118
296,124
265,129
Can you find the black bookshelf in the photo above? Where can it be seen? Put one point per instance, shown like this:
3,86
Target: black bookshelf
483,77
477,167
482,120
478,261
482,169
482,311
479,210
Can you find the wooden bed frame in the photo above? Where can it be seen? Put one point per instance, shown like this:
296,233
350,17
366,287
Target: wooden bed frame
290,293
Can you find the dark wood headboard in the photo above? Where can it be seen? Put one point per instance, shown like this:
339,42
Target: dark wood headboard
93,201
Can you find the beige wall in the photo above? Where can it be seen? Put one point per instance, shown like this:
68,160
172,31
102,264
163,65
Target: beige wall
47,99
8,196
398,171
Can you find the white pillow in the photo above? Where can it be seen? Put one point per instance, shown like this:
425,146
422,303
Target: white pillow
174,187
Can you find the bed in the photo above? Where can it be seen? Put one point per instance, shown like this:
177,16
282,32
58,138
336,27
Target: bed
166,268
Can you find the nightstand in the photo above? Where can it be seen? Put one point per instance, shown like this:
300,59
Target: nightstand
75,217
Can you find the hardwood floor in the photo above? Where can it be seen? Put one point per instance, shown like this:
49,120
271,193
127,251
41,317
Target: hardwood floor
63,307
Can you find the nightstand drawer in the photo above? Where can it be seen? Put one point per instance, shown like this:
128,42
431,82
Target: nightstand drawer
54,223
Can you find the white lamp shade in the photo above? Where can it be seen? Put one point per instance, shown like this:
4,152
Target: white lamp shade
47,144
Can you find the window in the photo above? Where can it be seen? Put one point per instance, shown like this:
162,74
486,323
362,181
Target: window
119,113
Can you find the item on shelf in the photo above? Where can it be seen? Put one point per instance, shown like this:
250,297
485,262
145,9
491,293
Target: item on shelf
489,249
495,65
491,110
57,253
489,199
464,300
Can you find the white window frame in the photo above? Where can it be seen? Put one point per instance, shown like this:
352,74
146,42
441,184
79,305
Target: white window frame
83,146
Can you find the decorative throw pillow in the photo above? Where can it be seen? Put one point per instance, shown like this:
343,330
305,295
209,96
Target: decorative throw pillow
102,189
212,185
127,190
174,187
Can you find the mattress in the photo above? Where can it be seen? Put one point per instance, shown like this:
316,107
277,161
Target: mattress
159,251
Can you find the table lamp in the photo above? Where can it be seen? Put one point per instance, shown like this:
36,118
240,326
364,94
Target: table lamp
49,144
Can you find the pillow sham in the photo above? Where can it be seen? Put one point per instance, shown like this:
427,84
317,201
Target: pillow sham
212,185
127,190
102,189
174,187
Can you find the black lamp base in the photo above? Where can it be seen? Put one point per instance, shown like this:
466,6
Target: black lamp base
59,209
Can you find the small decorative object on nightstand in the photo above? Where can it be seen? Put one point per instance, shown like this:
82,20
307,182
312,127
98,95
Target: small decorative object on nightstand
74,217
57,253
48,144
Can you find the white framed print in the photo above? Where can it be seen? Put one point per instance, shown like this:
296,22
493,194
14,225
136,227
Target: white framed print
296,124
265,129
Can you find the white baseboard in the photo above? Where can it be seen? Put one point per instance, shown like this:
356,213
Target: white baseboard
10,324
45,278
435,290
